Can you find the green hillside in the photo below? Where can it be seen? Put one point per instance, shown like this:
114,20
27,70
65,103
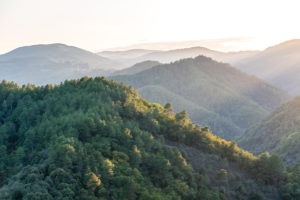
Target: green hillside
96,139
219,124
237,99
279,133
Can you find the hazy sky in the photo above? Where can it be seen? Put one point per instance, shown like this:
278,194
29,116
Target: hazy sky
100,24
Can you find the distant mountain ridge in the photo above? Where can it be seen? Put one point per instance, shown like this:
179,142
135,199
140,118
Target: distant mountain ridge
131,57
137,67
177,54
227,99
278,65
220,44
132,53
52,63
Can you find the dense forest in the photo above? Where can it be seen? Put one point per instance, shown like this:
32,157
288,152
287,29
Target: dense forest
213,93
279,133
97,139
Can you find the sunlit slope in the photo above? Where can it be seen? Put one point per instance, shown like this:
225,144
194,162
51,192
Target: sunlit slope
234,96
97,139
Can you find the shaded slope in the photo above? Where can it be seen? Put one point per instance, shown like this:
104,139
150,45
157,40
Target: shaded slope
279,133
202,116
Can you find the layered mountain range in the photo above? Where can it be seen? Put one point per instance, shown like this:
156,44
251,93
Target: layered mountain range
213,93
92,138
279,65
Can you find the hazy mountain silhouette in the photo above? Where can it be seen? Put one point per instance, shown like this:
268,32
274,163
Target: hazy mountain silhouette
131,57
173,55
219,44
137,67
279,65
52,63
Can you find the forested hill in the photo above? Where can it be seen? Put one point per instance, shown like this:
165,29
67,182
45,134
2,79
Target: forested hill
96,139
214,93
279,133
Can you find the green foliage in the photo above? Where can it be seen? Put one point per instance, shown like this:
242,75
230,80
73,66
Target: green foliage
96,139
279,133
87,139
291,190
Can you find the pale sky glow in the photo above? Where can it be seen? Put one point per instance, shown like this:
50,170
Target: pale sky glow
100,24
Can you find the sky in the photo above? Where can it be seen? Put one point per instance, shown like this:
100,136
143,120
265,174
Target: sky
103,24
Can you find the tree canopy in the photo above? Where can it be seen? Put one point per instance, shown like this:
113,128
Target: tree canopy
97,139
